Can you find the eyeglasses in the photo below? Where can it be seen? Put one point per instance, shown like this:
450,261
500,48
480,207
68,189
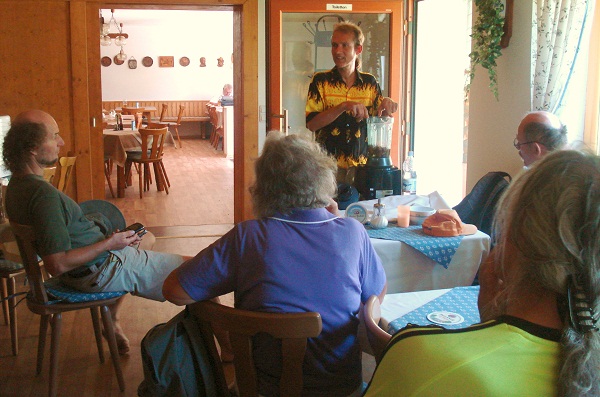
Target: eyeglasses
518,145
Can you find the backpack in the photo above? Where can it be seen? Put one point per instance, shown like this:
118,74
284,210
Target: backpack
479,206
176,361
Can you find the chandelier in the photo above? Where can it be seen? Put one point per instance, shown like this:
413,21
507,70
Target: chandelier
106,37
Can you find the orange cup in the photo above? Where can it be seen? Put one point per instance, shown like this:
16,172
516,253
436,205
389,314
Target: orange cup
403,215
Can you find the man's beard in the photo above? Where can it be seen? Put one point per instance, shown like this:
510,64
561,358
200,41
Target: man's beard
47,163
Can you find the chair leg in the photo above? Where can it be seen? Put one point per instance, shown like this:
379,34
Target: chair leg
177,133
97,331
162,166
160,177
107,174
4,294
44,320
140,176
54,348
112,345
13,316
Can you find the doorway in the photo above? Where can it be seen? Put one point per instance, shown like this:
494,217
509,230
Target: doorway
245,70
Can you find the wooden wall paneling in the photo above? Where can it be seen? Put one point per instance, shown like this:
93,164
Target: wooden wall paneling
36,69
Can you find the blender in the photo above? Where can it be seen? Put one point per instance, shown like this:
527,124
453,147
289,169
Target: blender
379,177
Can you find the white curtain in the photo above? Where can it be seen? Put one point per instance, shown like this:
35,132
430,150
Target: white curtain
557,26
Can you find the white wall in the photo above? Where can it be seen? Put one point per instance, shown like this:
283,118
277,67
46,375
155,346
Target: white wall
493,124
155,33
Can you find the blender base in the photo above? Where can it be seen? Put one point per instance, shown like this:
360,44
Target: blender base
376,182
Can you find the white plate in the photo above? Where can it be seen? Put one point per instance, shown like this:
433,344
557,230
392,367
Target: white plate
445,318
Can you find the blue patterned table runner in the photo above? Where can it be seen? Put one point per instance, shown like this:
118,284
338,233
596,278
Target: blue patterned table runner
461,300
440,249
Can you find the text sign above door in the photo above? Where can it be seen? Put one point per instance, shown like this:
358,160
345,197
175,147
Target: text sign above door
339,7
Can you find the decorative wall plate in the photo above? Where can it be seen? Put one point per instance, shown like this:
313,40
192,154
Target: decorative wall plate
147,62
117,61
132,63
203,62
105,61
184,61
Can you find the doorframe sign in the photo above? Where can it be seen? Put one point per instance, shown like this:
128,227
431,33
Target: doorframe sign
339,7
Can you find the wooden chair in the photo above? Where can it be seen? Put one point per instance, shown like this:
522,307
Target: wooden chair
65,173
128,120
292,328
138,114
49,173
152,153
10,267
175,124
371,316
40,301
216,136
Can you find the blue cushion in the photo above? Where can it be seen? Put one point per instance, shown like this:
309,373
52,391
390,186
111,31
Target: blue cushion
63,293
10,266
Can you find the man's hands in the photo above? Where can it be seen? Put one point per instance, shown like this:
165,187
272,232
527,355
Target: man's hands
120,240
357,110
387,107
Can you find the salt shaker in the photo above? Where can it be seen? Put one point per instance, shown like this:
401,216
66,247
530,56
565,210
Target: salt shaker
379,221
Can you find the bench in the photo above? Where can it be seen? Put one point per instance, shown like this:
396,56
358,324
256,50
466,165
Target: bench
195,111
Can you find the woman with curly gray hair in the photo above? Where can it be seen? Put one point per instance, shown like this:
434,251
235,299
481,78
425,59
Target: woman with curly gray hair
296,257
539,299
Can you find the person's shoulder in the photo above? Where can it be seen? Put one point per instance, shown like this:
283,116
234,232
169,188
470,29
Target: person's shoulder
323,75
367,77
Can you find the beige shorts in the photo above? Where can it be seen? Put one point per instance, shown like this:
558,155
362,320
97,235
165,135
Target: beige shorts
138,272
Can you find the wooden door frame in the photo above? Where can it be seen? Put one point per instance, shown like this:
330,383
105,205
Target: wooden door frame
274,46
87,92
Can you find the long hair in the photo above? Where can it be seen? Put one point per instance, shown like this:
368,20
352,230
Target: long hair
551,215
359,37
19,141
292,172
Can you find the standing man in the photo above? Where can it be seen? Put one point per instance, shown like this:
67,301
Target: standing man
341,99
72,247
539,133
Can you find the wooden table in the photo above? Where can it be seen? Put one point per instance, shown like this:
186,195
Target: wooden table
148,110
116,145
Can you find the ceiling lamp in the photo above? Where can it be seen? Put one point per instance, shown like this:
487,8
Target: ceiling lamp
106,37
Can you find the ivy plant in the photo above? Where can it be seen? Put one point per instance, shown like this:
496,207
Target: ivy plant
486,34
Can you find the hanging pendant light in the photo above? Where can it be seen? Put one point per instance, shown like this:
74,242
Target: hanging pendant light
106,37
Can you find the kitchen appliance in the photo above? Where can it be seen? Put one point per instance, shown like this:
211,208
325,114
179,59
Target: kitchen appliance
379,177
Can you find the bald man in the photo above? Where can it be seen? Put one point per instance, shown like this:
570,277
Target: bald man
72,247
539,133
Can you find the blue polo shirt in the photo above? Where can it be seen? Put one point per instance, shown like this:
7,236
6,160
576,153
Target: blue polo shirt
308,260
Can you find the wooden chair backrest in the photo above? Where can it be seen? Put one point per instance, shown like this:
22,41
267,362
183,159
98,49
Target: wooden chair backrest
153,141
25,236
180,114
132,111
163,112
378,338
128,119
292,329
49,173
65,173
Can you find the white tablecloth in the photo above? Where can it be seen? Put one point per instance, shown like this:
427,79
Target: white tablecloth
408,270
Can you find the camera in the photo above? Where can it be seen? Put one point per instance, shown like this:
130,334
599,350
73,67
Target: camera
138,228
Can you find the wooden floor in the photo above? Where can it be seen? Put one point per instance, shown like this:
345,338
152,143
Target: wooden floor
197,211
201,189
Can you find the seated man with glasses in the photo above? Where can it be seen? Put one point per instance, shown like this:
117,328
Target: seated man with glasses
539,133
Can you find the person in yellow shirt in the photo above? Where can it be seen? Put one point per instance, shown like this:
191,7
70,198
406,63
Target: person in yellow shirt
539,300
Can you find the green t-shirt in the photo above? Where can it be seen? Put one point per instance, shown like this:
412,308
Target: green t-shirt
503,357
58,221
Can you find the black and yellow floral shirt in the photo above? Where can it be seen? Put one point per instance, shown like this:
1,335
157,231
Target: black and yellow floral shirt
345,138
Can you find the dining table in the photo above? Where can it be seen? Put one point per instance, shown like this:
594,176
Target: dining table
116,145
450,308
414,261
